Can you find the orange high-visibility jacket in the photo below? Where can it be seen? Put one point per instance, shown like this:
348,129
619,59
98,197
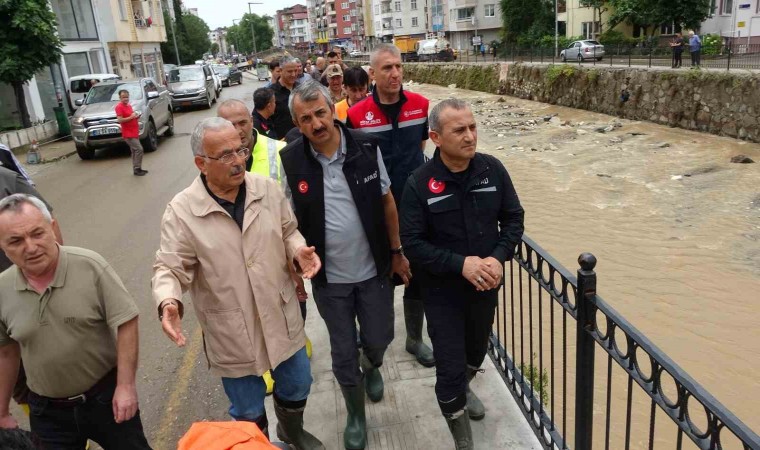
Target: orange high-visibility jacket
224,436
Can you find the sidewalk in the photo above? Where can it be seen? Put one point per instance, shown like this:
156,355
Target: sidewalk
407,418
49,152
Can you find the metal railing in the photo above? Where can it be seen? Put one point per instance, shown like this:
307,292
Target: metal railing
558,321
729,56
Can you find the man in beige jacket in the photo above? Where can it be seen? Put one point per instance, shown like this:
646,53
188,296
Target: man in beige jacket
228,238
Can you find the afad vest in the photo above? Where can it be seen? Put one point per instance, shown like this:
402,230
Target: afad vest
305,179
266,157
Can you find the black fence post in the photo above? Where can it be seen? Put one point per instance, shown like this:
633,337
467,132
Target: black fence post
728,66
584,357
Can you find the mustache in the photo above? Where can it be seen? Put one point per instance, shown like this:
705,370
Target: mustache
236,169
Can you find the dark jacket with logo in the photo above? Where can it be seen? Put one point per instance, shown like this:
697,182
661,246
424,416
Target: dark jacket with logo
305,179
443,221
400,140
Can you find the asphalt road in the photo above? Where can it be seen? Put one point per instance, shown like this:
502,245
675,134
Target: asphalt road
103,207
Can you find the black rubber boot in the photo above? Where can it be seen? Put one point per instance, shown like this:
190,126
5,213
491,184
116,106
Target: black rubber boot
414,315
475,407
459,425
355,434
290,428
263,423
373,379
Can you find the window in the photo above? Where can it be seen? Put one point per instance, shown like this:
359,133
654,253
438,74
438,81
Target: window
354,27
353,12
76,64
490,10
465,13
347,30
397,6
346,17
590,29
414,22
413,5
123,15
377,9
728,6
75,19
344,5
669,28
398,23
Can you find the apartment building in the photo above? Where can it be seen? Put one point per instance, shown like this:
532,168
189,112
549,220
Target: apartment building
397,18
219,37
338,23
737,21
293,27
470,23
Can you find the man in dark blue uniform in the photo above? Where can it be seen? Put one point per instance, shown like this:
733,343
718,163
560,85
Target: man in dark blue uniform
460,221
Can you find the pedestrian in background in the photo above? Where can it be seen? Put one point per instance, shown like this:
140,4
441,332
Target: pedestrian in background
460,221
334,76
354,227
81,365
276,71
398,119
677,44
695,48
229,239
355,86
130,131
263,109
287,82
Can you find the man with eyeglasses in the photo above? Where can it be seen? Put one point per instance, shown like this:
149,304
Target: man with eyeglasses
229,239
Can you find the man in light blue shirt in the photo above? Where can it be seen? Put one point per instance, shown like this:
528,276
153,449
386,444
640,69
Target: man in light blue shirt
695,48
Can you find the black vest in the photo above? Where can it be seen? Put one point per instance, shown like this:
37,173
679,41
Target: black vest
305,179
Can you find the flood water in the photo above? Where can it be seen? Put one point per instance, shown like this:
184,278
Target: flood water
674,225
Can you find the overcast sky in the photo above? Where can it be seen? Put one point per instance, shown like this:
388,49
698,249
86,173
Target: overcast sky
219,13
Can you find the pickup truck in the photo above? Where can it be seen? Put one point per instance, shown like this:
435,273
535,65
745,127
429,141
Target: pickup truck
94,124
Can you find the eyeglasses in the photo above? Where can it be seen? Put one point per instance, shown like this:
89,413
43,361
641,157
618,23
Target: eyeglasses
229,158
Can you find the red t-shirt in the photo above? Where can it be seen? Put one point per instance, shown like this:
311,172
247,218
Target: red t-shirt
130,128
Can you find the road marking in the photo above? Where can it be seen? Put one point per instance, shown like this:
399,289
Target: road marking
181,382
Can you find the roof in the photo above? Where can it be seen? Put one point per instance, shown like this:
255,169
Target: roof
90,76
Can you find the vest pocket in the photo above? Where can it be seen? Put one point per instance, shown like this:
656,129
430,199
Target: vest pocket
291,310
227,339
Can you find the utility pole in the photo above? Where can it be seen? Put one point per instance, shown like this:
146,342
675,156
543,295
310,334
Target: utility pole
237,35
253,34
556,28
174,35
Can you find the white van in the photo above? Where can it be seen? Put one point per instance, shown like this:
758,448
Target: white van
80,85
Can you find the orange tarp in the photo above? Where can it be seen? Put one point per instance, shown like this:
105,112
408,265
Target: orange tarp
224,436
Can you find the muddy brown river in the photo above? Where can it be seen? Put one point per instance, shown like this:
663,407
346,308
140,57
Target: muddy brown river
674,224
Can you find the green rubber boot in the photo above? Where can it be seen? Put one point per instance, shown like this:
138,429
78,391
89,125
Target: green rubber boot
355,434
373,379
475,407
414,316
290,429
459,425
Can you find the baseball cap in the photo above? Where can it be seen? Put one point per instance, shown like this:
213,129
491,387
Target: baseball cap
333,70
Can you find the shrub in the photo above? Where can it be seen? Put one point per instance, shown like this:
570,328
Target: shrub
711,44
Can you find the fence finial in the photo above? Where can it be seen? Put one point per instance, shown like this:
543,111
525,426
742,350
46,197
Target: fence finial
587,261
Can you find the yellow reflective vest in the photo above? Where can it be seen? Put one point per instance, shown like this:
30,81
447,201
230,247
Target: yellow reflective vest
266,157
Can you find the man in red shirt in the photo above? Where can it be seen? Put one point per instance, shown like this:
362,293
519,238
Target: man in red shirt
130,130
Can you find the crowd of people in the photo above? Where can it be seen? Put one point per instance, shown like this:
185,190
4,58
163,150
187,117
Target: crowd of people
318,183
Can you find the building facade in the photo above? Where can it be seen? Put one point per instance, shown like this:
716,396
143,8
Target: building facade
736,21
219,37
293,27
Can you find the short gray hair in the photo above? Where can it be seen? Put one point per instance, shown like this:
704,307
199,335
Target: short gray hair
209,123
14,203
287,60
434,120
308,91
230,103
383,48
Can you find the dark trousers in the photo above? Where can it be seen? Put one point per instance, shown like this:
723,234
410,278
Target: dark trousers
340,305
69,426
677,54
459,322
695,58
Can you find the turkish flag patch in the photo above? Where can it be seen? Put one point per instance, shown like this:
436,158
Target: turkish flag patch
435,186
303,187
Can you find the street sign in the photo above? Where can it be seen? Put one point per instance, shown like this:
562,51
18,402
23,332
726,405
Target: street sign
740,24
476,40
745,6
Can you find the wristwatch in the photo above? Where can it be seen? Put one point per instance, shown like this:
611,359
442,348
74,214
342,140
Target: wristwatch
398,251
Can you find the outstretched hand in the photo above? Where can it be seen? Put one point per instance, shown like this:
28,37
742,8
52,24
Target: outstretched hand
308,261
172,324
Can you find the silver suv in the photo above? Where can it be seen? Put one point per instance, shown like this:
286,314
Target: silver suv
192,85
94,124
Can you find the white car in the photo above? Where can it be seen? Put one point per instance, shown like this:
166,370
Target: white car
355,54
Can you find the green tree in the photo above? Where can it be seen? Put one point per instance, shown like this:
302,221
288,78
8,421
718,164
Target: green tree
650,14
241,33
526,20
196,37
214,49
599,7
28,44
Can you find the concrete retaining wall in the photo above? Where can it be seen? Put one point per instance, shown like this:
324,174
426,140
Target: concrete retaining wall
724,103
41,133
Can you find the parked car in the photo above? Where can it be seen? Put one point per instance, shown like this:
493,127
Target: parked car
356,54
582,50
192,85
228,74
80,85
217,81
94,125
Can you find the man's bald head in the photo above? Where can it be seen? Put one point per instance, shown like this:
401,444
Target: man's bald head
237,112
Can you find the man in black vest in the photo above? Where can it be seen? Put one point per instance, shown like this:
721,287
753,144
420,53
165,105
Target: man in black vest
341,193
